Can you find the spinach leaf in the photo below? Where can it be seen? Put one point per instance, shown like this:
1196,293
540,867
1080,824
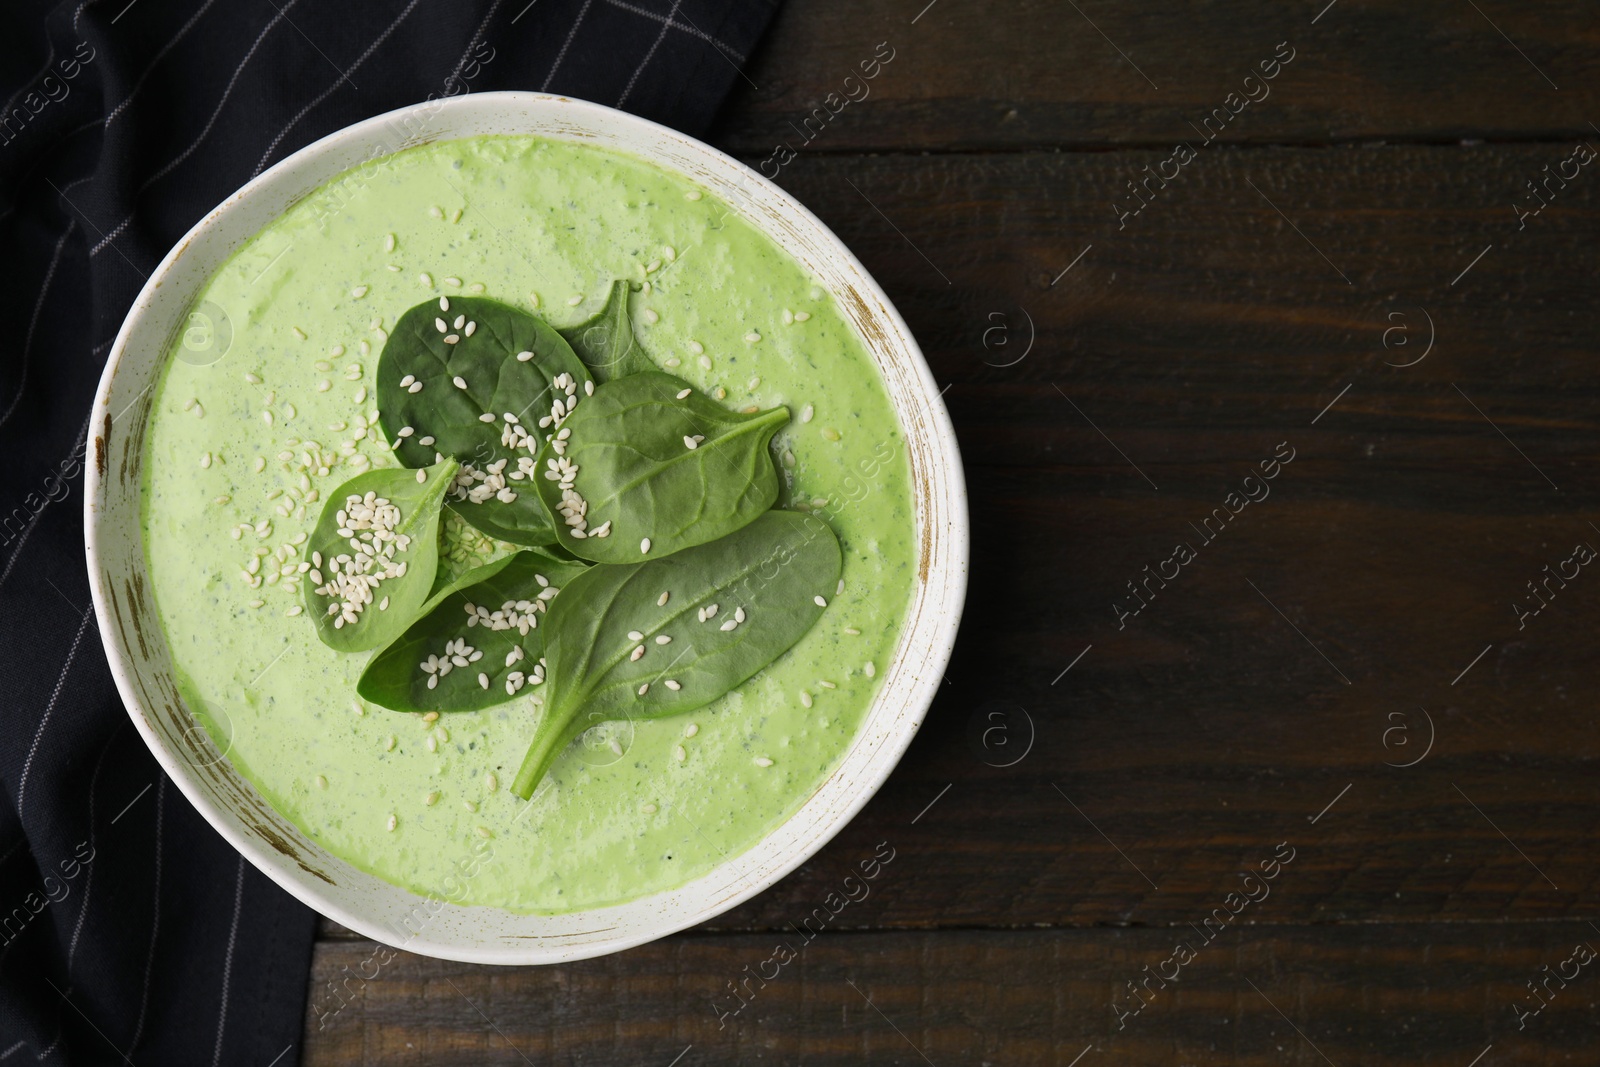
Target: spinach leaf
732,607
472,378
477,644
373,555
648,457
605,343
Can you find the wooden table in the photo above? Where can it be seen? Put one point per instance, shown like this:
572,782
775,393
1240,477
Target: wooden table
1344,679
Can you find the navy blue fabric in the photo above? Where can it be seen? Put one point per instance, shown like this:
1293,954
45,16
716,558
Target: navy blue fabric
129,931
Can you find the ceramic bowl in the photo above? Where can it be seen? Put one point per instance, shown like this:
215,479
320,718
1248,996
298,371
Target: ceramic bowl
136,646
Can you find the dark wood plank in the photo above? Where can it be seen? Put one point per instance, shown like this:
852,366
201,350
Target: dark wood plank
1381,996
976,76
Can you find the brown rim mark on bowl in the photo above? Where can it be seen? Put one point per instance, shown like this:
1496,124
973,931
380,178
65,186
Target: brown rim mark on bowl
133,448
100,440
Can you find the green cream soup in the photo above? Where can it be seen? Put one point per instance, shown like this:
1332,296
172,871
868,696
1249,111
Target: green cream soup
247,446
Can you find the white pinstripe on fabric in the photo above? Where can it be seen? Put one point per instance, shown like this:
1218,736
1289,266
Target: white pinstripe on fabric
627,90
155,916
582,11
88,878
227,965
33,749
692,31
212,121
111,116
362,58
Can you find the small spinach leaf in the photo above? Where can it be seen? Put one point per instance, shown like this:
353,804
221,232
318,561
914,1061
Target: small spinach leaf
495,613
479,397
605,342
373,555
655,459
603,646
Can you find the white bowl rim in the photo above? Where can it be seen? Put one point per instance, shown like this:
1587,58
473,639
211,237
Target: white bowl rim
936,637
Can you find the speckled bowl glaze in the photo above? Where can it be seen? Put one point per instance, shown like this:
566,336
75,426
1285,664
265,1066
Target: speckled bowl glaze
136,646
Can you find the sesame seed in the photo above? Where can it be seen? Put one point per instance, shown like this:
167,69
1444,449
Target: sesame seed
322,783
469,805
651,317
388,243
738,615
684,393
710,612
635,635
692,729
807,412
802,316
871,670
390,743
730,624
487,416
755,383
679,754
648,809
533,299
425,441
752,337
460,382
826,684
407,431
705,362
588,388
673,685
721,393
643,689
674,362
394,820
637,652
852,631
482,831
452,338
644,545
414,387
426,279
431,799
205,460
323,385
662,601
432,716
433,742
298,332
663,639
763,761
692,194
483,680
696,347
690,443
358,292
266,417
830,433
805,698
574,300
523,357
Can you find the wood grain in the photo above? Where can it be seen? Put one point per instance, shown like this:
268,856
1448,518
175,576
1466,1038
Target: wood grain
1384,996
976,77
